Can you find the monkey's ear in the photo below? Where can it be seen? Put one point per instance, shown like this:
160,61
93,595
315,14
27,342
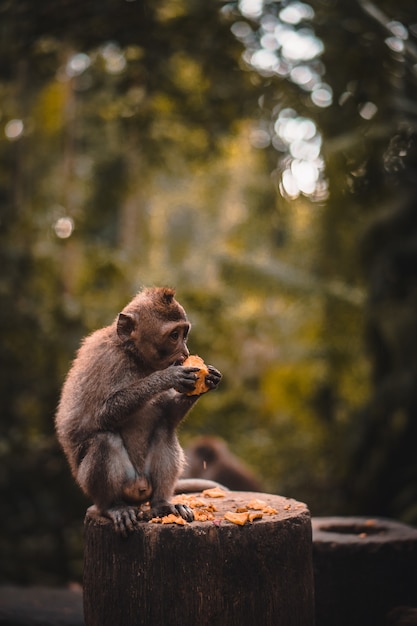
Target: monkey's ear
168,295
125,325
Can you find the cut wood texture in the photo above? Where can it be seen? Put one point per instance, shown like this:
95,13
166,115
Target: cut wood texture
213,572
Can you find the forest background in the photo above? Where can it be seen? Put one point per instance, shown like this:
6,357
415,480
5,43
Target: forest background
261,157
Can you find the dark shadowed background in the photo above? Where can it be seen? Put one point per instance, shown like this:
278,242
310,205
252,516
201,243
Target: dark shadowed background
261,157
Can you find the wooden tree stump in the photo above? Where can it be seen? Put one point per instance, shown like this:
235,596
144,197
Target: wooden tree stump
205,573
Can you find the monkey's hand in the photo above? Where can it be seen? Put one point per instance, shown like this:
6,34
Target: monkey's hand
213,377
182,379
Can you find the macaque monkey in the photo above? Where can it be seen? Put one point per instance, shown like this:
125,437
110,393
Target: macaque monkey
120,405
209,458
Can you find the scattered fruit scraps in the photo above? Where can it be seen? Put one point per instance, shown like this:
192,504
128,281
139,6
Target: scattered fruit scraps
257,505
169,519
193,502
243,513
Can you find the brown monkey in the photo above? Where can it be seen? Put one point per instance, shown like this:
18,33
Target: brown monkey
210,458
121,402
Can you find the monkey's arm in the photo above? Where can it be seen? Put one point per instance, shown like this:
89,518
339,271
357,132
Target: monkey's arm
178,405
121,404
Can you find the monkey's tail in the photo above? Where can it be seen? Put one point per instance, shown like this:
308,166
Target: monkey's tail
190,485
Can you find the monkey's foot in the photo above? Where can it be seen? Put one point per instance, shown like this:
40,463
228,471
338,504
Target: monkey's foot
124,518
166,508
185,511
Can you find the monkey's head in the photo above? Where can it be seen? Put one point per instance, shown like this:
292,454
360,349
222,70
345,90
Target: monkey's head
154,328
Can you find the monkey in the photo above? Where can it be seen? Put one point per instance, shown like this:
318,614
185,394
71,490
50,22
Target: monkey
121,402
209,457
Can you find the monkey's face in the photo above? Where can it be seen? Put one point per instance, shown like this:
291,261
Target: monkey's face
162,345
155,327
157,343
170,344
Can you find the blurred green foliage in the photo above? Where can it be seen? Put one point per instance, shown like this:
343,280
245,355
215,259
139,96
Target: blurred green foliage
259,156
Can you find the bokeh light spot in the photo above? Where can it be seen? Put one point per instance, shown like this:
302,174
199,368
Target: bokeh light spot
368,110
395,44
64,227
322,96
295,12
259,138
251,8
77,64
115,61
14,129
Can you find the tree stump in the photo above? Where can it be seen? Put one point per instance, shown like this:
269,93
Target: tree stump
206,573
363,568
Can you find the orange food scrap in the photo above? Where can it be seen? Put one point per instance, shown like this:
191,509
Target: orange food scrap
237,518
215,492
200,385
212,508
199,504
196,504
241,509
189,499
203,516
269,510
169,519
257,505
242,518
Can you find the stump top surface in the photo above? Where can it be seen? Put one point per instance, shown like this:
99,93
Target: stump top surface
272,508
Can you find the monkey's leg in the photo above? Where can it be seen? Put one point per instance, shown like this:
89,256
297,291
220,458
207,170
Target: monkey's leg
164,464
107,475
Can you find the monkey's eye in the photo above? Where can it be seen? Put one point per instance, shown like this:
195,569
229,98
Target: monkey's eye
174,335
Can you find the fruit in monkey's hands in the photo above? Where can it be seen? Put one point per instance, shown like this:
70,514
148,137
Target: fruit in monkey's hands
200,386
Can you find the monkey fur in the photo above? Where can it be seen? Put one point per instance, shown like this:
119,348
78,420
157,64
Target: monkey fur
120,405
